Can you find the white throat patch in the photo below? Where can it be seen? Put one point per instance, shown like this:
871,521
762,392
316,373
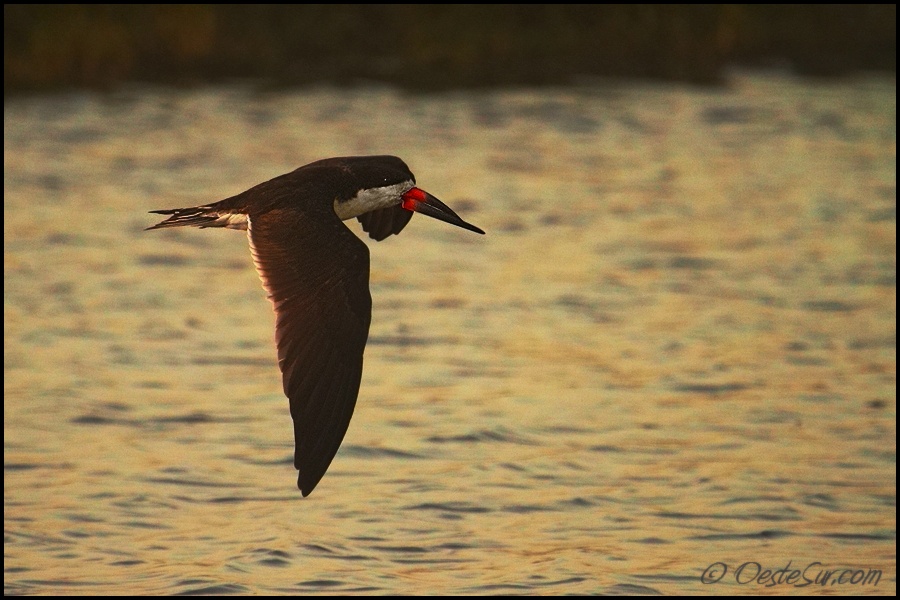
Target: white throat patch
372,199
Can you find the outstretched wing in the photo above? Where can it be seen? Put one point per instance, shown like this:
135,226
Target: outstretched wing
316,272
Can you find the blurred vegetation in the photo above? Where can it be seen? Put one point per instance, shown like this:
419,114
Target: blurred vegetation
433,46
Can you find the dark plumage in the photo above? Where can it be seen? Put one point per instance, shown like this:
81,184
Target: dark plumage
316,273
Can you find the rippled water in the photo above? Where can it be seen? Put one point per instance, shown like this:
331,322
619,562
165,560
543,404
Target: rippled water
673,353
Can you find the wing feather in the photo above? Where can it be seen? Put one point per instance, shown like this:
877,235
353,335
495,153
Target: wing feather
316,273
386,221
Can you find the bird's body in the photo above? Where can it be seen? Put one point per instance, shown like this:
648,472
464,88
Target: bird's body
316,273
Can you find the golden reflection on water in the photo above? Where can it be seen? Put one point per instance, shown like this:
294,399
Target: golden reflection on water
674,347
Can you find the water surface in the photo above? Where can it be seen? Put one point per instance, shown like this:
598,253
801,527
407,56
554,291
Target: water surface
674,348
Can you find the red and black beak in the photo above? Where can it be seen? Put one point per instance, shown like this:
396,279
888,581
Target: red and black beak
420,201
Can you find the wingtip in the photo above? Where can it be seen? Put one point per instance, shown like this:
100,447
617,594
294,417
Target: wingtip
305,489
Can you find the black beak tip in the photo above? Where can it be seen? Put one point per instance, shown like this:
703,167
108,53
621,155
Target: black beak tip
434,208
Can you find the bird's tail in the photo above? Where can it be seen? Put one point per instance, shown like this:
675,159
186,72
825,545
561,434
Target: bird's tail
201,216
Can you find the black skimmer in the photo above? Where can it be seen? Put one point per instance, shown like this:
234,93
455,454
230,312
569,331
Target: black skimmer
316,273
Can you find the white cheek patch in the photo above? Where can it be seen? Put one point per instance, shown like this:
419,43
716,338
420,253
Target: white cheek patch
372,199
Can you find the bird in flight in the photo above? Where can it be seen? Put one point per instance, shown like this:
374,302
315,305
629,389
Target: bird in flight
316,273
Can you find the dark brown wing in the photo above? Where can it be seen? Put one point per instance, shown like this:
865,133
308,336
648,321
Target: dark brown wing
381,223
316,272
